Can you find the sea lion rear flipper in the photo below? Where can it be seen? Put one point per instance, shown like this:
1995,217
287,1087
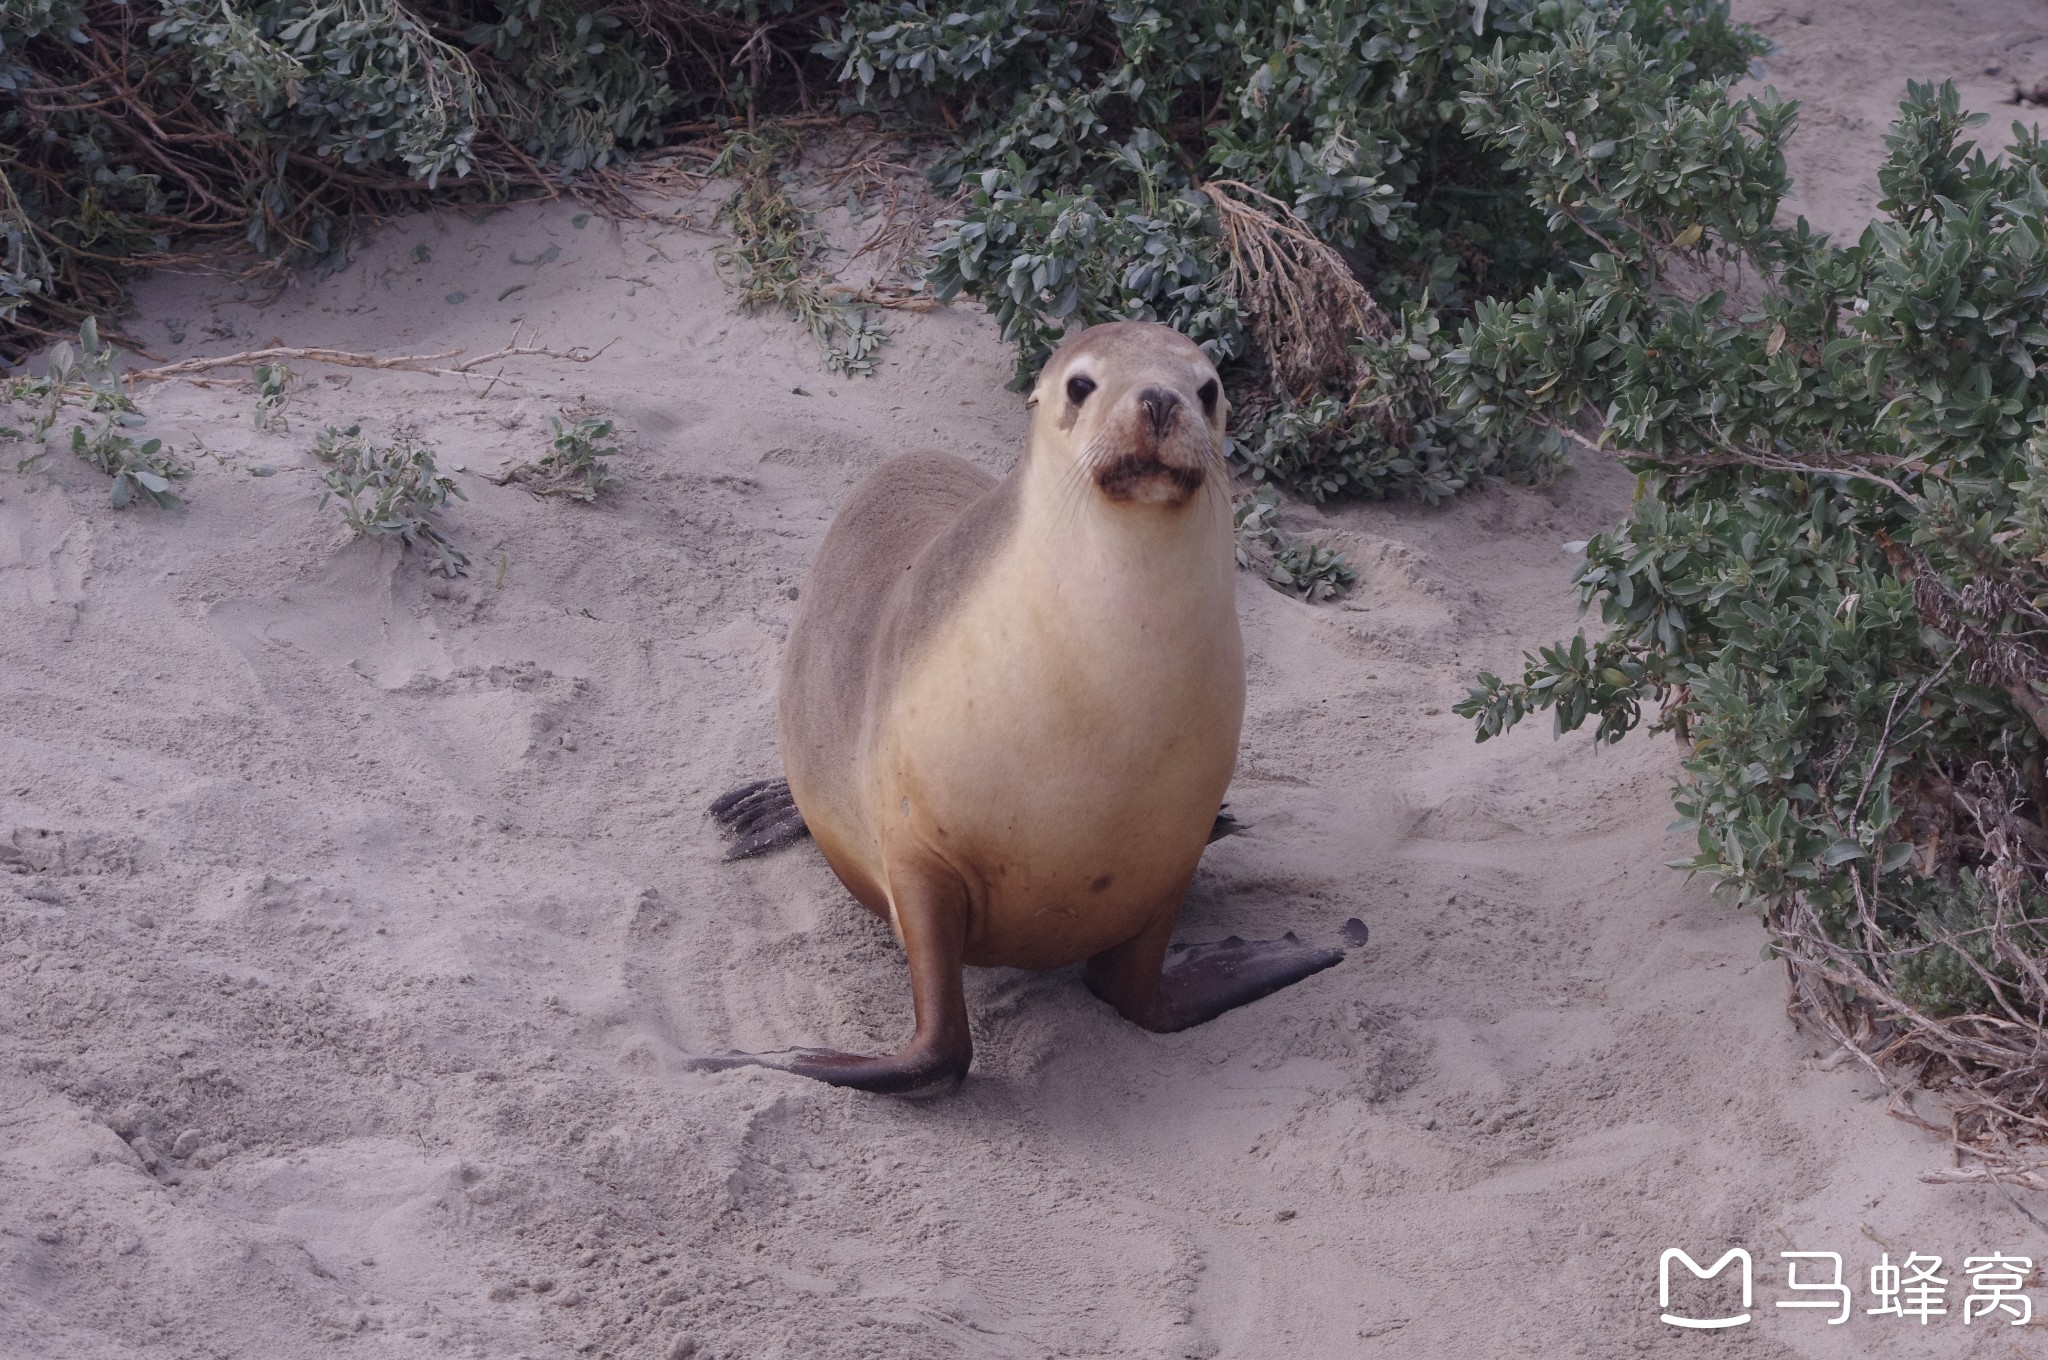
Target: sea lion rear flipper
758,817
931,916
1165,990
1226,825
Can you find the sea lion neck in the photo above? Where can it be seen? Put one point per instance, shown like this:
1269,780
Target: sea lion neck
1065,525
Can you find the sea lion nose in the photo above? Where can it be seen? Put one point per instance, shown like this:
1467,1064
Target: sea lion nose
1160,405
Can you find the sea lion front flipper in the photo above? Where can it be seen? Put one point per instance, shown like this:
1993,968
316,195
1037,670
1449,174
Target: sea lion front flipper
758,817
898,1074
1165,990
931,916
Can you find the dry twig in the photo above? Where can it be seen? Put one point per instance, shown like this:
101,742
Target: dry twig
1990,1061
1979,1175
406,363
1300,302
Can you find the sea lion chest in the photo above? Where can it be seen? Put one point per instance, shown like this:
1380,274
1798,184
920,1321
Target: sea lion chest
1063,742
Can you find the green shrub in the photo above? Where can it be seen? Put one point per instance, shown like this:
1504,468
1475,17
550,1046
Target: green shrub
272,382
773,257
1233,169
1306,570
1106,149
1834,579
129,130
87,378
574,465
390,491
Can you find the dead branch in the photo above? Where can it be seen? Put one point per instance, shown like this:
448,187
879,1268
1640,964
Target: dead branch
250,358
1993,1067
1301,304
342,358
1725,457
575,354
1979,1175
893,296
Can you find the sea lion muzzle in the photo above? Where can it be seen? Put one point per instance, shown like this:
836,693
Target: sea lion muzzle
1165,456
1145,476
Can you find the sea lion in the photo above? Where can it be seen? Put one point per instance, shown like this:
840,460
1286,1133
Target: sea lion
1009,709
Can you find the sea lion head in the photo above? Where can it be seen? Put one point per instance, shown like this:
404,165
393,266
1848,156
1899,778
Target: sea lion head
1136,408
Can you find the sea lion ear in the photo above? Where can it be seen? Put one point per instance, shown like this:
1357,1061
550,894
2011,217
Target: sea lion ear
1031,400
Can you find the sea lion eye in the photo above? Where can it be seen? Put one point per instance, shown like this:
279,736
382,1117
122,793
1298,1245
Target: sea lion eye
1208,392
1078,388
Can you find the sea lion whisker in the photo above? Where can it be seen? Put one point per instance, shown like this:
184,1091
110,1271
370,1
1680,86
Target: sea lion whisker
1069,492
1091,459
1072,490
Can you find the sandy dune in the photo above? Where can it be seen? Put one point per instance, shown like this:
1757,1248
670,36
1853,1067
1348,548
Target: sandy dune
354,924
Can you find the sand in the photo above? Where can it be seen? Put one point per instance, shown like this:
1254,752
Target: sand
355,925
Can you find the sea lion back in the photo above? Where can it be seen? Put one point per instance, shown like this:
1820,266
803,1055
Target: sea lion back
893,515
